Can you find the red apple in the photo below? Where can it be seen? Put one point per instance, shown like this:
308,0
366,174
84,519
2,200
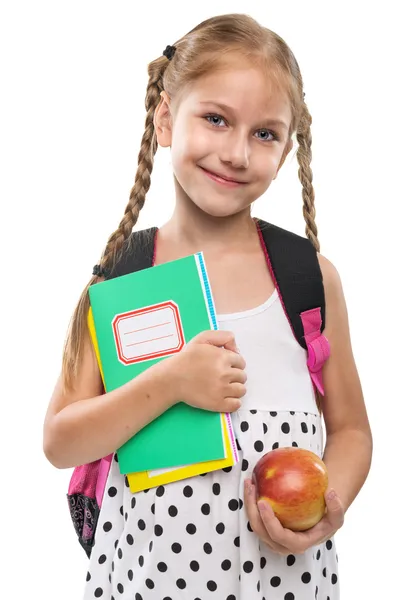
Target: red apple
293,481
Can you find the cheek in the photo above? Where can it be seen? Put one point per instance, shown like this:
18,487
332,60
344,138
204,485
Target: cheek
266,166
189,145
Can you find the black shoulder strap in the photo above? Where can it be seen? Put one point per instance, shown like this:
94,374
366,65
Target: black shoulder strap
297,274
137,253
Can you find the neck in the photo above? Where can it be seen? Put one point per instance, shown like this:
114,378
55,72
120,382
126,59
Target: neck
190,227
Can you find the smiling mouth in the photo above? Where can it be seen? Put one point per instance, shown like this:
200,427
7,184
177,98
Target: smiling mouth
221,179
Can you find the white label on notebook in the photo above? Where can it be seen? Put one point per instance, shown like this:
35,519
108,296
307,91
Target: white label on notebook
148,333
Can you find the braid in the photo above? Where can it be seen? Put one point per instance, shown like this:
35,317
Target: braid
305,175
142,180
73,348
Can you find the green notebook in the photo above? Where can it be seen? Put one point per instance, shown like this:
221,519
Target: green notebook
144,317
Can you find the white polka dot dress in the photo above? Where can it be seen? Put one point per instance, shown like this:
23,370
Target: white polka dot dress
191,540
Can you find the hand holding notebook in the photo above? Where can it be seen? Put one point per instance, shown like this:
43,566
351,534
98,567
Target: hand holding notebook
211,379
141,318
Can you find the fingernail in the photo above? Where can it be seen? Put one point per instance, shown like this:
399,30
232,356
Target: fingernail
331,495
262,506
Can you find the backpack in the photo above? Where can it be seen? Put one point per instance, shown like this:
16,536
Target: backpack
294,267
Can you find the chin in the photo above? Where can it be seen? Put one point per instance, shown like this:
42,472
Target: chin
219,206
220,212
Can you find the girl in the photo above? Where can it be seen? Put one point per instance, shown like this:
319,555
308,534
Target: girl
227,99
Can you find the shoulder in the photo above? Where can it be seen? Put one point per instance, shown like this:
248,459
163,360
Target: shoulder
331,278
336,324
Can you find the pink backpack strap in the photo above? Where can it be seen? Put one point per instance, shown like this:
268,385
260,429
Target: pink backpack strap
104,469
317,345
85,497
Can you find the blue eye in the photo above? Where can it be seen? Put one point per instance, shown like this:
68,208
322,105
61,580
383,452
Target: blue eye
274,135
216,117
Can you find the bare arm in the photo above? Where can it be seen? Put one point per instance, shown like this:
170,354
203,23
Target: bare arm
85,425
89,424
348,449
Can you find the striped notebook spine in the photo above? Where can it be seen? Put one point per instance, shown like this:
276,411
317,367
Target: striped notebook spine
213,322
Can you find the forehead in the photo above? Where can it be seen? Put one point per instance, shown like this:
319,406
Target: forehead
245,88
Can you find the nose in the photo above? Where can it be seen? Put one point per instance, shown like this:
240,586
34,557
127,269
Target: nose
235,151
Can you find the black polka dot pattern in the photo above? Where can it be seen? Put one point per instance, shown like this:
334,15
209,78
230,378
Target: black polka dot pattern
226,565
306,577
220,528
193,537
216,488
188,491
290,560
258,446
207,548
194,565
248,566
206,509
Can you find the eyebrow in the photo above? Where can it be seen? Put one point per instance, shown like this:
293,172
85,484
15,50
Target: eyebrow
267,120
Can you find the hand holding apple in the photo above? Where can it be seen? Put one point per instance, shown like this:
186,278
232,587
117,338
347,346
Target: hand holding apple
293,481
283,540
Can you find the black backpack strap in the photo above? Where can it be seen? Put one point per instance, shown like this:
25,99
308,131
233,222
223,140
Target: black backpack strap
137,254
295,269
297,274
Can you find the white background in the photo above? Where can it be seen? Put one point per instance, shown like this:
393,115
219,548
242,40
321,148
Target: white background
73,78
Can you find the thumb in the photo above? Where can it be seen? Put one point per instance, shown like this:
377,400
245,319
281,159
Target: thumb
218,338
334,508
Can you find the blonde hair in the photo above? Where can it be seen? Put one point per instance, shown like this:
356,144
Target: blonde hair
204,48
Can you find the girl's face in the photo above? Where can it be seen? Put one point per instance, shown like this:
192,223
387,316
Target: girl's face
225,125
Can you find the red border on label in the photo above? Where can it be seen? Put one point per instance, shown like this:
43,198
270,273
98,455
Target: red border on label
141,311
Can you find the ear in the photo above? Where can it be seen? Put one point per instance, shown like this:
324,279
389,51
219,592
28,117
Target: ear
288,148
163,121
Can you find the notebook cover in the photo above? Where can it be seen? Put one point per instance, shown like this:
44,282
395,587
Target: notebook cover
144,317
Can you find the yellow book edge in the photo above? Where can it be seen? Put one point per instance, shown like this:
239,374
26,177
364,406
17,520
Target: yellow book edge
148,479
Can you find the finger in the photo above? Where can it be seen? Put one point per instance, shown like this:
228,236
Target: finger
256,521
236,390
230,405
220,338
335,510
231,346
317,534
235,360
237,376
299,541
279,534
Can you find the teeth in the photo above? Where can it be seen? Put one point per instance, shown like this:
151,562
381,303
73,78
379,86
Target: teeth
222,179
